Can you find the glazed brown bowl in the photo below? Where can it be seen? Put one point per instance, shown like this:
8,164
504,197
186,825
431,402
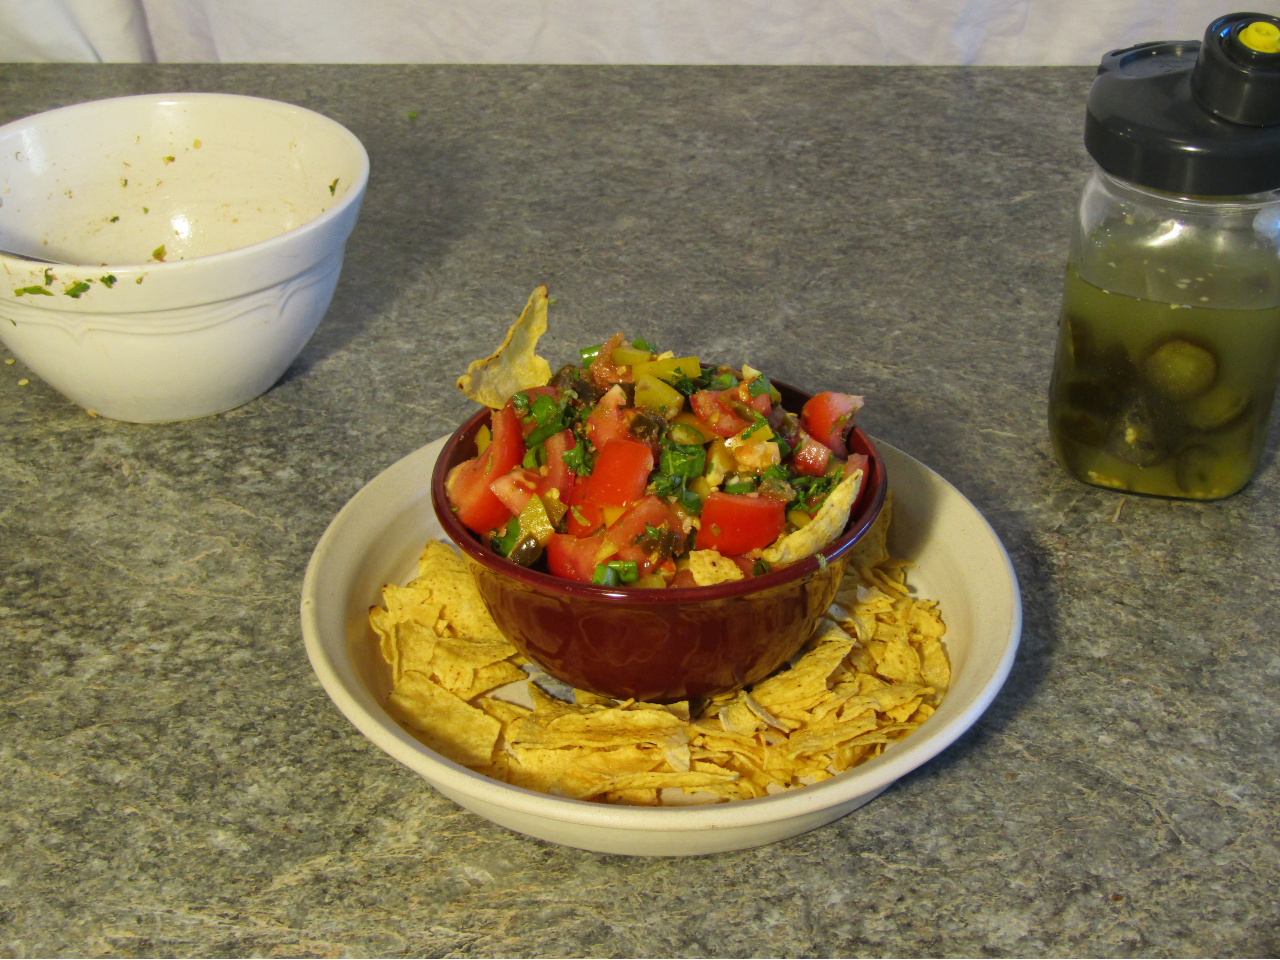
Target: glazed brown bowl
660,646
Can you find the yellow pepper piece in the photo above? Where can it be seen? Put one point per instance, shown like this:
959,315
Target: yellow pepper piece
666,369
534,521
653,394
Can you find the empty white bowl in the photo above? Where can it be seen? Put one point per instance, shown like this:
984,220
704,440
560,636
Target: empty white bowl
202,236
376,539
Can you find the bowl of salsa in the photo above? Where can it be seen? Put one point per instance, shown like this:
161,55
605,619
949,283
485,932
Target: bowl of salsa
637,526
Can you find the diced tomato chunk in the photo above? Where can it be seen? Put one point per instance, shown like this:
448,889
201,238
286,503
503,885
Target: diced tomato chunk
684,578
621,473
645,561
810,457
584,518
760,403
515,487
602,370
856,462
649,512
828,418
735,523
607,421
574,558
558,476
467,485
712,409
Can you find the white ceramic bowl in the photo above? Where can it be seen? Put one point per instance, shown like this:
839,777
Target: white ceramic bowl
252,202
376,539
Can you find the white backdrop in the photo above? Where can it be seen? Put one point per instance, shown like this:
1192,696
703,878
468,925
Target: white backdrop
1010,32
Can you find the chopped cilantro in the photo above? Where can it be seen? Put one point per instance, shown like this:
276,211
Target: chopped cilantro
666,484
48,276
108,281
577,459
760,385
75,290
158,253
681,382
520,401
691,502
41,290
640,343
333,187
113,219
760,422
682,460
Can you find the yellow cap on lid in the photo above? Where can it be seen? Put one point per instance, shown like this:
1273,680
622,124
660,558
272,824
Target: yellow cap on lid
1261,36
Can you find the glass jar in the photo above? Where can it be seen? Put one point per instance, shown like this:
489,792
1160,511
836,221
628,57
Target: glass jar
1169,340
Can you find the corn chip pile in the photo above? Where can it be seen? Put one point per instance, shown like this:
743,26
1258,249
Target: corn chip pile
873,671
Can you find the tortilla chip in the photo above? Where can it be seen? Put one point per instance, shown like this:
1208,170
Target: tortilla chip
513,366
872,672
448,725
709,567
824,528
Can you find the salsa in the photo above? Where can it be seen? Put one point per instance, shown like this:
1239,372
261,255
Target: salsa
622,470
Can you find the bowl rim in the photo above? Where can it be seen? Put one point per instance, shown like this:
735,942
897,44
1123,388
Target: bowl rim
158,268
867,507
367,715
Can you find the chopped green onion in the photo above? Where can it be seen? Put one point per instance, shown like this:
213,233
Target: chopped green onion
615,572
760,568
540,434
739,486
725,381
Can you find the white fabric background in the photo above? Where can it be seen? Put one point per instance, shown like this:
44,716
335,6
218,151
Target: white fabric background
1013,32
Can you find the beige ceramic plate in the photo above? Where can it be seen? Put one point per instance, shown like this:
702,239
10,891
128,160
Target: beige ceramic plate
377,537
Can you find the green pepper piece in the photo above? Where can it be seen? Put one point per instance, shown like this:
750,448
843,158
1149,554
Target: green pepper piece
589,354
544,409
506,542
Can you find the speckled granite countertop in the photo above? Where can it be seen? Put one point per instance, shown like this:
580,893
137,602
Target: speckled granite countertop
175,781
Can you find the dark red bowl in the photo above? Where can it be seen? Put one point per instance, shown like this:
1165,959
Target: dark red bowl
666,645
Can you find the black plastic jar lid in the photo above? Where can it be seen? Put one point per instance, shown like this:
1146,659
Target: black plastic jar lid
1190,118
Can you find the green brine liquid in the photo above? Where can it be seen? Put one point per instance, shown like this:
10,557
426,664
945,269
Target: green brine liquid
1162,398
